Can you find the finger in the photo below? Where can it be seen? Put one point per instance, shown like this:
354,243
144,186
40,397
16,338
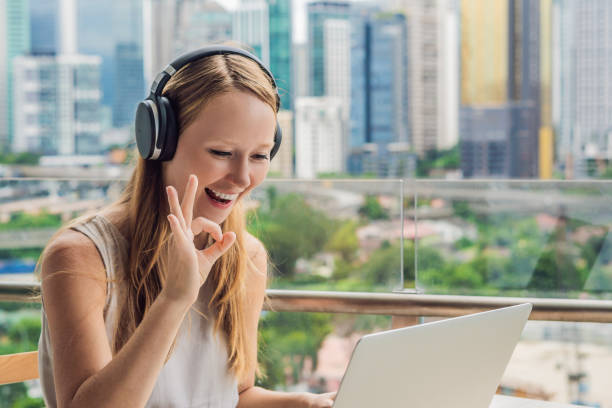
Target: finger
189,198
202,224
177,229
214,252
175,207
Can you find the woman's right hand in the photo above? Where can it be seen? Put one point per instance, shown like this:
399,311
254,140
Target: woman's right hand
188,267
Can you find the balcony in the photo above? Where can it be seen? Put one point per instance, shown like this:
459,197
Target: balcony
374,254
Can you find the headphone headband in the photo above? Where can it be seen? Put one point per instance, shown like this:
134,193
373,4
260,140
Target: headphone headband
163,77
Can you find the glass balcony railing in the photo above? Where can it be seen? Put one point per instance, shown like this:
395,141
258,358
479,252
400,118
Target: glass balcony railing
357,252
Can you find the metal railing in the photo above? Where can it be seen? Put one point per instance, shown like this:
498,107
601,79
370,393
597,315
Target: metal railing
402,306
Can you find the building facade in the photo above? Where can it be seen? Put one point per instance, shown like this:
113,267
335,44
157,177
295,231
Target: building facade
57,109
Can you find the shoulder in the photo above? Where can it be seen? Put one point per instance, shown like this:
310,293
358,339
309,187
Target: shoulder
71,251
258,257
255,248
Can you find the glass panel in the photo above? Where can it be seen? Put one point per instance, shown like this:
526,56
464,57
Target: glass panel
330,234
515,238
32,210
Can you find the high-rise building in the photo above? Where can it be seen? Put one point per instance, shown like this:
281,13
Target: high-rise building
44,27
15,21
500,75
337,55
57,104
123,21
92,17
319,130
318,13
484,52
128,74
447,75
280,21
129,82
547,136
251,27
200,23
300,70
583,84
379,94
159,36
422,48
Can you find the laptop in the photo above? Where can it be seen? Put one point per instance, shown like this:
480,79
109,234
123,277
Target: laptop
452,363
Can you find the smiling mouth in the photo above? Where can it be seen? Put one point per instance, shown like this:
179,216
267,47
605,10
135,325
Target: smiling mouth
215,197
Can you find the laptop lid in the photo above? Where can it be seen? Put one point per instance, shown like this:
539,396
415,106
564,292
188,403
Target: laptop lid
455,362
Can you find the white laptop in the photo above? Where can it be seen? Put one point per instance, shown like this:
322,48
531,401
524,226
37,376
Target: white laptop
452,363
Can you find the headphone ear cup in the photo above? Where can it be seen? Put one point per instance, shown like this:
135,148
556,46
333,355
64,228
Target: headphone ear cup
278,137
145,127
170,129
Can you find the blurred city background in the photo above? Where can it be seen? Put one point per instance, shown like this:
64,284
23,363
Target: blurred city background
430,146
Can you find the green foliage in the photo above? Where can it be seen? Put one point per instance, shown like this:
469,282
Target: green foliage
291,229
439,159
371,209
18,337
28,402
21,221
286,339
344,241
20,158
11,393
25,333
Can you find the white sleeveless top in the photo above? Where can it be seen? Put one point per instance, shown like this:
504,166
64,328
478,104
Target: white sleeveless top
196,374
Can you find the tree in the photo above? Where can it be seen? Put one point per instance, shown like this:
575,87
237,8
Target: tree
372,209
292,229
344,241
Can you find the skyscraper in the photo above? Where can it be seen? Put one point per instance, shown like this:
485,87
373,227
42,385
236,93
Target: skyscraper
500,77
15,19
318,13
128,73
251,27
129,82
123,21
379,94
200,23
319,130
159,35
280,17
57,101
44,26
93,17
583,84
423,52
448,75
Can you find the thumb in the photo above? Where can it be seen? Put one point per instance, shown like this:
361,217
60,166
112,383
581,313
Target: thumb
214,252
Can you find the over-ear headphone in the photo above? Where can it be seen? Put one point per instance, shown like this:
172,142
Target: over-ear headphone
156,126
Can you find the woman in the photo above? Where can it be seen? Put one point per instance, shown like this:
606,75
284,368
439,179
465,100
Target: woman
154,301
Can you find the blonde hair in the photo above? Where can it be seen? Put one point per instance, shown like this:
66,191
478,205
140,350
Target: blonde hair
189,90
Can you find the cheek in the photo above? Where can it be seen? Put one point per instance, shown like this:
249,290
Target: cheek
259,175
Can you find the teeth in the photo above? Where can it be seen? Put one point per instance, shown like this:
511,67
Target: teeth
224,196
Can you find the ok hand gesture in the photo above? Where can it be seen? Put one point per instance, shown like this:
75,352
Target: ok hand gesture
188,266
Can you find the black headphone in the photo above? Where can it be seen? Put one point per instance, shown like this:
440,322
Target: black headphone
156,127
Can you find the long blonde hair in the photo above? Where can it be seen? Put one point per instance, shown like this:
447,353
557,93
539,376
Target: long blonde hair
144,197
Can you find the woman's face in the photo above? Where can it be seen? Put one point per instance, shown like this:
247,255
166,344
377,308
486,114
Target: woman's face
228,148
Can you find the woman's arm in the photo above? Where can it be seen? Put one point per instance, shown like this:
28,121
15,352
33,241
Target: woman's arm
85,372
256,397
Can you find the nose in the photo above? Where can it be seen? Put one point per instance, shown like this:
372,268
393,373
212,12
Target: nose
241,174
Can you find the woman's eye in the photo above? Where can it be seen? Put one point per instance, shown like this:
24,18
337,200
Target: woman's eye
261,156
220,153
